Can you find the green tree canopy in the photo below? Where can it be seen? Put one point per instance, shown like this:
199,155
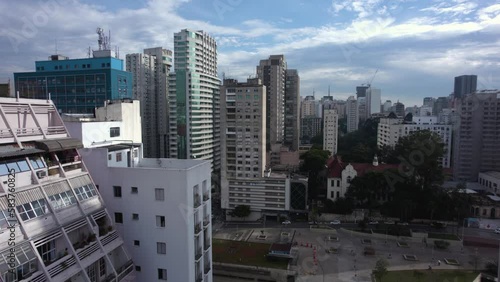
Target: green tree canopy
380,269
241,211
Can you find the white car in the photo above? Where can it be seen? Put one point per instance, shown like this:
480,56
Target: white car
389,222
497,231
286,222
403,223
373,222
335,222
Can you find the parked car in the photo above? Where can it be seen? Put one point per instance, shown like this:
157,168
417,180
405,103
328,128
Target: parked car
389,222
335,222
286,222
373,222
497,231
403,223
369,251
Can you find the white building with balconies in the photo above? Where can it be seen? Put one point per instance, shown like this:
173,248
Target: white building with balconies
53,222
161,207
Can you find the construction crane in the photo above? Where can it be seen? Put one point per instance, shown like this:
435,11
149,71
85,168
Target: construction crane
369,83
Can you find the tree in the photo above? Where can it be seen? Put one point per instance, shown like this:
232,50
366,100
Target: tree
317,140
366,190
241,211
419,154
380,269
314,161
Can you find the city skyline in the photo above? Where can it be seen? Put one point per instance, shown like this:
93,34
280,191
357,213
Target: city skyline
339,43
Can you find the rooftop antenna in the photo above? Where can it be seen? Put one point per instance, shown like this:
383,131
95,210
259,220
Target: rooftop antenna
89,52
328,90
103,40
223,76
56,46
117,52
314,94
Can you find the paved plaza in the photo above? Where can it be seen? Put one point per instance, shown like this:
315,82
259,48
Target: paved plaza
349,263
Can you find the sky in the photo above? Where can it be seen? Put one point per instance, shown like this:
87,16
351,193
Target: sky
417,46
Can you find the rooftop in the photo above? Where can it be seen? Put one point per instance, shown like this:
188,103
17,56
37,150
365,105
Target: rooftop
495,174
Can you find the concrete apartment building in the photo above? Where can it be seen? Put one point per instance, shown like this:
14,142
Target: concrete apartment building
161,206
244,179
373,101
272,73
330,130
477,126
310,127
194,98
309,107
62,229
464,84
390,130
150,71
352,114
292,109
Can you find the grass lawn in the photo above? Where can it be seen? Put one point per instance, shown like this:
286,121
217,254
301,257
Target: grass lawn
246,253
444,236
433,275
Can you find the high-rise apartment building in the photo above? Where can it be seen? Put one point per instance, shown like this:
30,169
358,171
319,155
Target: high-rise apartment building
391,129
308,107
440,104
362,109
244,180
465,84
272,73
352,114
194,98
330,130
399,109
310,127
50,207
387,106
292,109
163,204
361,91
372,101
477,126
150,86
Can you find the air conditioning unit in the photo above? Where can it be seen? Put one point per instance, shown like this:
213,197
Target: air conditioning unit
41,174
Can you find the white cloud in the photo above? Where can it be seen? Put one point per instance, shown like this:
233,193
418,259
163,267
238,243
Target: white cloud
462,8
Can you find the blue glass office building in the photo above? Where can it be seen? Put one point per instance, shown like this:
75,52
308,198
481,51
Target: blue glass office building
76,85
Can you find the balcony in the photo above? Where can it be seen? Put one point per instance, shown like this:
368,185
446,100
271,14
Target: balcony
109,238
206,197
66,263
207,245
197,228
198,254
207,268
206,221
124,270
196,203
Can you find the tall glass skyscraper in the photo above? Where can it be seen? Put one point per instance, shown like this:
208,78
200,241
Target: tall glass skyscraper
194,97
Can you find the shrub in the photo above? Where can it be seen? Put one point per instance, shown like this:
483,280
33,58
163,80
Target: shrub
440,244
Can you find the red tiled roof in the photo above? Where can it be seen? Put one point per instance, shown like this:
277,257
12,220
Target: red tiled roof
335,167
362,168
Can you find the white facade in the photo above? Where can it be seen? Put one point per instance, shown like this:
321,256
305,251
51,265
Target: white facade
309,107
352,114
373,100
63,230
490,180
163,205
338,186
425,111
390,130
387,106
330,130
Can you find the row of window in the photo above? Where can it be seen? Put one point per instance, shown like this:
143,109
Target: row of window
159,192
160,219
20,165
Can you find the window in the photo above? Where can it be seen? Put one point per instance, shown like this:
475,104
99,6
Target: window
110,157
135,216
160,221
118,217
114,132
134,190
117,191
102,267
118,157
161,248
159,194
62,200
37,163
137,243
91,273
162,274
137,268
338,183
4,219
332,195
332,183
338,194
32,210
47,251
85,192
